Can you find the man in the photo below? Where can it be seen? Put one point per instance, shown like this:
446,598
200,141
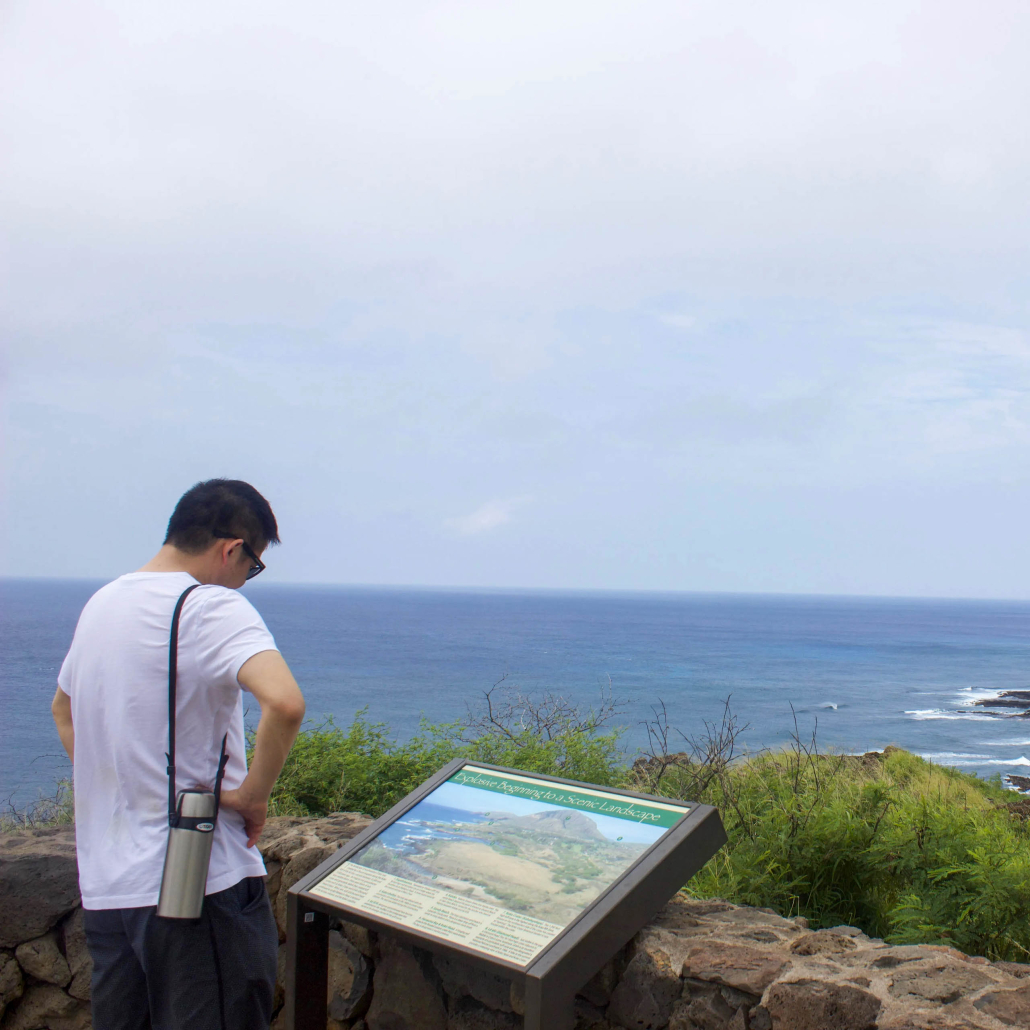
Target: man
111,710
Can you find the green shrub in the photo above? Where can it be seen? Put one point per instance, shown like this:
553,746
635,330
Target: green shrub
364,769
359,769
904,849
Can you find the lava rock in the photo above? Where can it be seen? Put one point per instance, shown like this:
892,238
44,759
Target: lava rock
402,998
817,1005
42,959
39,882
647,992
1009,1007
12,983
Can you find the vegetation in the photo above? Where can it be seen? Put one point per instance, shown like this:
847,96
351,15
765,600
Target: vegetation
56,809
907,850
904,849
364,769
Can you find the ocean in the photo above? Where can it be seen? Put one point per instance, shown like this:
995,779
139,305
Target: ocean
866,672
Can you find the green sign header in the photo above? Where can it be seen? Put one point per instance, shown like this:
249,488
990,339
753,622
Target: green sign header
599,803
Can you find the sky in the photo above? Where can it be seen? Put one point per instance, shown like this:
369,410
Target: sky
724,296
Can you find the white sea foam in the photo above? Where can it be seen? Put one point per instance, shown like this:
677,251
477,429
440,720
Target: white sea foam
948,756
829,704
971,695
942,713
983,697
974,760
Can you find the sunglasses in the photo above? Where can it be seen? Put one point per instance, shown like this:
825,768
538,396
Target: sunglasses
258,567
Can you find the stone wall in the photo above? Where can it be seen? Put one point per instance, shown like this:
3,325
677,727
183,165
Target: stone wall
698,966
44,964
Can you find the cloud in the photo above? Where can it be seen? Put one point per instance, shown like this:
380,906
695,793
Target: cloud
659,264
679,321
486,517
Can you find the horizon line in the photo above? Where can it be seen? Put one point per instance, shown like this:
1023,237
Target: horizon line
507,589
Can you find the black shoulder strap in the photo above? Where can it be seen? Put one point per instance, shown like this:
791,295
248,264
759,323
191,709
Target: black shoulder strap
173,673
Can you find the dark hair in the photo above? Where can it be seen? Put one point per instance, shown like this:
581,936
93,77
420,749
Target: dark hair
221,508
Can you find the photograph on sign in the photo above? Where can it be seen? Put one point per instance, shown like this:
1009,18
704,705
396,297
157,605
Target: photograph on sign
498,862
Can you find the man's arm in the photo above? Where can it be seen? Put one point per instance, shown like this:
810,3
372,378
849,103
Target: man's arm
267,676
61,707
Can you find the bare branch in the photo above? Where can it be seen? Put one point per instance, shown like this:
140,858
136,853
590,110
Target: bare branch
522,720
705,760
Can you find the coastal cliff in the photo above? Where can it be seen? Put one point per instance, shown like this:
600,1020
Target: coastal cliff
700,965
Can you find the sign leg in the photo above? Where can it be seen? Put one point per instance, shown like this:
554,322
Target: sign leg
548,1008
307,967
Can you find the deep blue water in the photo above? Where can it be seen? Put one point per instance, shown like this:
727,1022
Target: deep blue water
872,671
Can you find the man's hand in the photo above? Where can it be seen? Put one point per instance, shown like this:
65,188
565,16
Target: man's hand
254,811
269,679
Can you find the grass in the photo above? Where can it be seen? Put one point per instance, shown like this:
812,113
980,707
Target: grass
906,850
56,809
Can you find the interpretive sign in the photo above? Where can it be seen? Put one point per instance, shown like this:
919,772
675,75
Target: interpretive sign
525,874
499,862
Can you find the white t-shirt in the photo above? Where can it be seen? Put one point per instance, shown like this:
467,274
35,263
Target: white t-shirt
116,675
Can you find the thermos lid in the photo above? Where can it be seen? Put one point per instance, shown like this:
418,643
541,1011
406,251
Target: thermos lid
196,804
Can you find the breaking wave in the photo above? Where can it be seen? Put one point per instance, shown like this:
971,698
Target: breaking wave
958,760
944,713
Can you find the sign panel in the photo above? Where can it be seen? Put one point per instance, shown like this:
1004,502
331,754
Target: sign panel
498,862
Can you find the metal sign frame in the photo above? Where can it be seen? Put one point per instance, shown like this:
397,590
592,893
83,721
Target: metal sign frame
551,979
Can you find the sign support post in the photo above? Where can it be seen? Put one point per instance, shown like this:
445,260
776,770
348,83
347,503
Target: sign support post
548,1008
307,966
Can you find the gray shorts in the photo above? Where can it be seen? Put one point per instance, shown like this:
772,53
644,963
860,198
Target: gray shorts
212,973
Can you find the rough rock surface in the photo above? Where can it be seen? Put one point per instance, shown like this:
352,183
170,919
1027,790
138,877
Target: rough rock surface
292,847
39,882
46,1007
700,965
817,1005
403,996
350,979
42,959
1010,1007
647,991
77,955
12,981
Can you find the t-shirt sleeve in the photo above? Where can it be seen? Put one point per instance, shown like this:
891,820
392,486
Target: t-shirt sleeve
230,632
64,677
67,673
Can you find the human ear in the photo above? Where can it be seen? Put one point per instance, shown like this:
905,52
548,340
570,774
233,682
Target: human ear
228,546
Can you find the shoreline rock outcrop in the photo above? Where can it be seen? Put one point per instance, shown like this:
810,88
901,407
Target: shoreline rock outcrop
699,965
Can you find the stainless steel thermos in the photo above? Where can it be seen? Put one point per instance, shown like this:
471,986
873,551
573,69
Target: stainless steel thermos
188,856
191,816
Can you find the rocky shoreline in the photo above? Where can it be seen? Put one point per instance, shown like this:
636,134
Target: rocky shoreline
1008,699
1010,704
700,965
